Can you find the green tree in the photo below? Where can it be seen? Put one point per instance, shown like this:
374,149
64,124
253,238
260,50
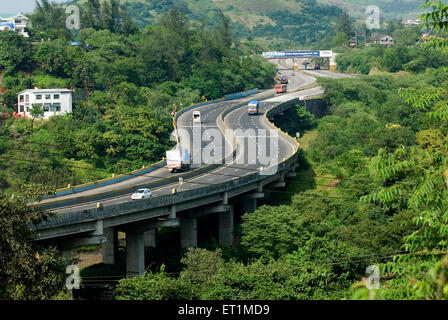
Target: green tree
344,25
27,270
15,52
415,178
36,112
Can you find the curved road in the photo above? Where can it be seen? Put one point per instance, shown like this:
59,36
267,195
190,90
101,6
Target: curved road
237,119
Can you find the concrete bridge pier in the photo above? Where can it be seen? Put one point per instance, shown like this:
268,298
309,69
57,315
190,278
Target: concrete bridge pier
151,238
226,226
135,254
110,246
188,233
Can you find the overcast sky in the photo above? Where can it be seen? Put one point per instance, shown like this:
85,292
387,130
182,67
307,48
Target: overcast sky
16,6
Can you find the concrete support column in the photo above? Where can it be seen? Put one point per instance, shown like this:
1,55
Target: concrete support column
110,247
135,254
151,238
226,226
188,233
250,205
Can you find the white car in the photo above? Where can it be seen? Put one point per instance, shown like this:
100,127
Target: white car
141,194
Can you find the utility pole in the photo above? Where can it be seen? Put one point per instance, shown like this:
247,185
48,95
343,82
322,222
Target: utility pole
174,113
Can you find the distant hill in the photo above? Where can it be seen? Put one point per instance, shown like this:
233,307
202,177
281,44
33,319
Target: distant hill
390,9
300,21
297,21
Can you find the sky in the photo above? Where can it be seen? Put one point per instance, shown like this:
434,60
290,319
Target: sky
16,6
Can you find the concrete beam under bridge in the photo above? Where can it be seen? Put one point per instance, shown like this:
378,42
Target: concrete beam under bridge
209,210
280,184
93,237
149,225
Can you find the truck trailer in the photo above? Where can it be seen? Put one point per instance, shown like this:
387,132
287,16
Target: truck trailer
281,88
178,160
253,107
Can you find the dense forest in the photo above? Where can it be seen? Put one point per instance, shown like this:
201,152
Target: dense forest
126,82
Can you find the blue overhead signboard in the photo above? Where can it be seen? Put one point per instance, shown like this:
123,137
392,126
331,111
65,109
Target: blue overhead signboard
297,54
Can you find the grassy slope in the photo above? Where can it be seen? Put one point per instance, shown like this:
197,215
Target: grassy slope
252,12
389,8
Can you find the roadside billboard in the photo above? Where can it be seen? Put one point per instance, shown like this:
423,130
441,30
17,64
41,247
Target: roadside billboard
298,54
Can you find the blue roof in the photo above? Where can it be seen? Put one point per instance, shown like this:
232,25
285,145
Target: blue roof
254,101
75,43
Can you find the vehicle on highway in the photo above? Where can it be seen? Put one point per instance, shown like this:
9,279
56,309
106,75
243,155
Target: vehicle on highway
197,116
293,74
253,107
178,159
284,80
280,88
141,194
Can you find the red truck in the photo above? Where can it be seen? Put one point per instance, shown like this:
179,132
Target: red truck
280,88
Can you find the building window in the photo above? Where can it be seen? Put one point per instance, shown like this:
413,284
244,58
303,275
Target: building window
27,109
21,98
21,108
38,97
27,98
47,96
47,107
56,97
17,21
56,107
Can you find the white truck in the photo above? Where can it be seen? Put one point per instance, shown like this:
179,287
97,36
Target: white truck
197,116
178,159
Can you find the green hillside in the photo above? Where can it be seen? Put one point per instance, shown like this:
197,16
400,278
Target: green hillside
300,21
297,21
390,9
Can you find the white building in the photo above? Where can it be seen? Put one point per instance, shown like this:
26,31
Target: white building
53,101
410,22
15,22
384,40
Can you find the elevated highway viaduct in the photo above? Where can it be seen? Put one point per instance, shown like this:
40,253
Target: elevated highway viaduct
96,215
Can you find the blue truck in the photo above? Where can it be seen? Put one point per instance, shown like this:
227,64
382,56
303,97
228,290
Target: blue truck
253,107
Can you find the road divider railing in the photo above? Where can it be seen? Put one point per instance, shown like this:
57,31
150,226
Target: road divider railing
242,94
